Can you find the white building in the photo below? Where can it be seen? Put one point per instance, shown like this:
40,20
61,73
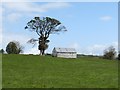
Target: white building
64,52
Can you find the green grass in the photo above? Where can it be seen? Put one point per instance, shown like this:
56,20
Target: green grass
0,71
28,71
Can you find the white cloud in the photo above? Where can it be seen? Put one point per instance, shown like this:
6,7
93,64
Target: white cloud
0,35
98,49
74,45
28,48
15,10
115,44
13,17
32,51
22,7
7,37
106,18
33,7
54,5
1,10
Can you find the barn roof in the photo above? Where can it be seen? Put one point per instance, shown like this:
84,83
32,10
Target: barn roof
64,49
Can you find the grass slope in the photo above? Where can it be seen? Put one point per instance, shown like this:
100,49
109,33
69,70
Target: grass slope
28,71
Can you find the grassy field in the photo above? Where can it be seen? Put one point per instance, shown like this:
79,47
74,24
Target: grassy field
0,71
28,71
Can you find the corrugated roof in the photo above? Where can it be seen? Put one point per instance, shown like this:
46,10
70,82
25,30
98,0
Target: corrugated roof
64,49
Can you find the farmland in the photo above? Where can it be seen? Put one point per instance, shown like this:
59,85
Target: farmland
30,71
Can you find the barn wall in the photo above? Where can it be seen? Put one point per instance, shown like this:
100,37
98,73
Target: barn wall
67,55
54,53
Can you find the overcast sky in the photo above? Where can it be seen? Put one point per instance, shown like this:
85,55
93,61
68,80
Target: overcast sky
92,26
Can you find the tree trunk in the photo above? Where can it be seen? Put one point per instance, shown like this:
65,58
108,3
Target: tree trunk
40,52
43,52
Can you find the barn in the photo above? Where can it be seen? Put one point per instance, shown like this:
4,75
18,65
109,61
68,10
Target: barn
64,52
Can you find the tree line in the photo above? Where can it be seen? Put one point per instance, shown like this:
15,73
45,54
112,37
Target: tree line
44,27
14,47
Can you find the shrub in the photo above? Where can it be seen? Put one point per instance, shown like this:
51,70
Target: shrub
109,53
14,48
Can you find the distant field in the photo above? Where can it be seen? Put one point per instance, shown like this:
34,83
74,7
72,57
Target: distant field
28,71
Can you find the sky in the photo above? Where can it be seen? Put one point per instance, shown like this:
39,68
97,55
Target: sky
91,26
